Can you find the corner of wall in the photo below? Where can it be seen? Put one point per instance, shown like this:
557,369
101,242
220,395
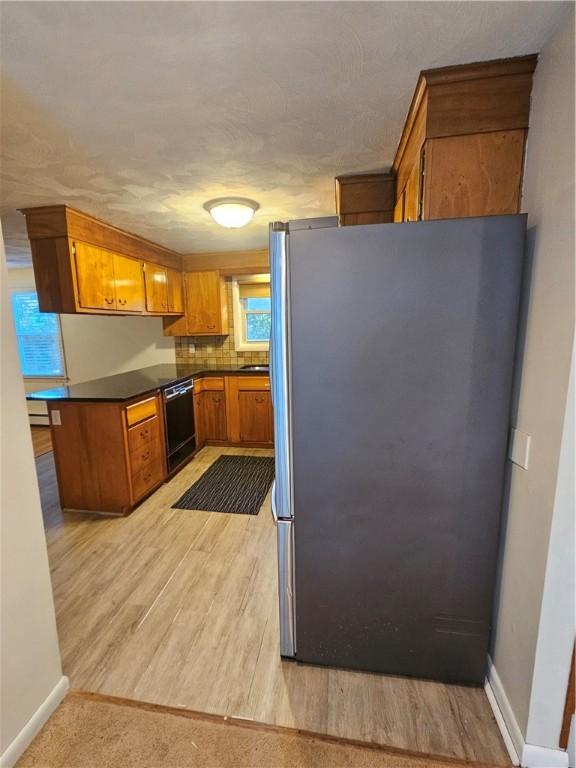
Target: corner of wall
20,744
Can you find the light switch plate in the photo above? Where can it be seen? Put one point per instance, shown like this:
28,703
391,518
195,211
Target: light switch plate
519,448
55,418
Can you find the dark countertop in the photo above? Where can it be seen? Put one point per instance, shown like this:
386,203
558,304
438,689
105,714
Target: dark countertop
125,386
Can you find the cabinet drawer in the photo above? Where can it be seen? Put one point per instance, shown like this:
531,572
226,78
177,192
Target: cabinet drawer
147,477
140,411
145,454
252,383
143,433
213,383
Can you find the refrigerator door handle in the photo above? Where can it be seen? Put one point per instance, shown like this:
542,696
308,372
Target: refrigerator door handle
280,369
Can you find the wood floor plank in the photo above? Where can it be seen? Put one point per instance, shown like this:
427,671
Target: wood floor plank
180,608
41,440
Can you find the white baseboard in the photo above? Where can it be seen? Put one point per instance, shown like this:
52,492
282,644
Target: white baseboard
501,723
526,755
543,757
34,725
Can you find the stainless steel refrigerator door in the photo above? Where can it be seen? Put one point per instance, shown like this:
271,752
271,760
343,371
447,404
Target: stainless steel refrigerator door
282,509
402,350
286,587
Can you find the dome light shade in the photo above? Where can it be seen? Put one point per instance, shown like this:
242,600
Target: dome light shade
231,212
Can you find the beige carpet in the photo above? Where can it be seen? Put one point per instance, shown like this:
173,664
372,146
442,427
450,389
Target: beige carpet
94,731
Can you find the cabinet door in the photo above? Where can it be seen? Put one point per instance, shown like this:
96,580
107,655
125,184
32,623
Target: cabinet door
206,311
476,175
175,292
95,277
129,284
255,417
214,416
156,288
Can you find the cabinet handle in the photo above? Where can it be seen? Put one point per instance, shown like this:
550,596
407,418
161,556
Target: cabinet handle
145,455
144,433
211,326
215,399
108,301
147,477
122,301
260,399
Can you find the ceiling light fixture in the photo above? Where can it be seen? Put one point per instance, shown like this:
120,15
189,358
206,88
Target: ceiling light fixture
232,212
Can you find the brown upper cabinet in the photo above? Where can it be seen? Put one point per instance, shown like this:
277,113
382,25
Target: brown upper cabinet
365,198
205,307
106,280
128,284
462,148
163,290
82,265
156,288
94,277
175,291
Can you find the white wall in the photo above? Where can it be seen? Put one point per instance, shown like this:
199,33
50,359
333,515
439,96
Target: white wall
30,660
528,554
556,629
96,346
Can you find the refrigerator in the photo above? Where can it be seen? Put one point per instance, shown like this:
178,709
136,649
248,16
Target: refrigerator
392,353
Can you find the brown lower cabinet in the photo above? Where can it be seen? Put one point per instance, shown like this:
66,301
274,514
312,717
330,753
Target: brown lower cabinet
234,410
210,411
108,456
255,417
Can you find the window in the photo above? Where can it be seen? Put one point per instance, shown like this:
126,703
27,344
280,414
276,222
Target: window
252,312
39,338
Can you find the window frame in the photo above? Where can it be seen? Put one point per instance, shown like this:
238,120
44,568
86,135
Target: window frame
241,344
39,376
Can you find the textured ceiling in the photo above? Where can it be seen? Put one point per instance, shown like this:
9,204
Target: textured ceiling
139,112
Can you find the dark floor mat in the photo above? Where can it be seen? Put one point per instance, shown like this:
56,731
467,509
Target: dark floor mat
236,484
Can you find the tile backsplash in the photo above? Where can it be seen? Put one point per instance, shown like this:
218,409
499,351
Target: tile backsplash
217,350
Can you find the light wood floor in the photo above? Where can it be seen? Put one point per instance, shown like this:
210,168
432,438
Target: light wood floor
41,440
180,608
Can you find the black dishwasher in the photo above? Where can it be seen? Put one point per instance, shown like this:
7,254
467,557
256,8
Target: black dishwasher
179,422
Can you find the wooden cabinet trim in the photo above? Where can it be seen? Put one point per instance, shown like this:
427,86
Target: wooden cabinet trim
209,383
228,262
481,70
252,383
52,221
437,87
140,411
